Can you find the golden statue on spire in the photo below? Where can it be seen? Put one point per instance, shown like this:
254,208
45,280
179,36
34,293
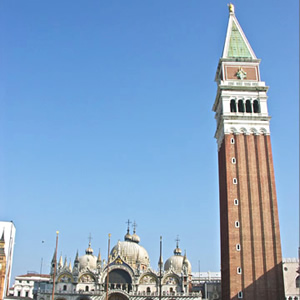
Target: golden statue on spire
231,8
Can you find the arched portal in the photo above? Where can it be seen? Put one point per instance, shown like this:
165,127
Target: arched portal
83,298
117,296
119,280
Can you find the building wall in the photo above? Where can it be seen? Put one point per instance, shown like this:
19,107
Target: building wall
290,274
2,268
24,284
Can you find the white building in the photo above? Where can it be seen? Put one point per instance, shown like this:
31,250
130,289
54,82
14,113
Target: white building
291,278
208,284
24,284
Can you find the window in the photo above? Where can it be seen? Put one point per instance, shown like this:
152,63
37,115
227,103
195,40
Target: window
256,107
86,288
232,141
236,202
241,106
232,106
237,224
148,291
234,181
233,160
240,295
238,247
248,106
239,270
64,287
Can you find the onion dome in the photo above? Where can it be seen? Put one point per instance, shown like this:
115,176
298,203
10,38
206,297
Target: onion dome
178,262
89,250
177,250
88,261
135,237
128,236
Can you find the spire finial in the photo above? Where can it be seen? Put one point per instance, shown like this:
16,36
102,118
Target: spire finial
66,262
76,257
99,256
60,264
231,8
2,236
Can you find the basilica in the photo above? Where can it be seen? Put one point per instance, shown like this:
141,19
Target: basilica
126,275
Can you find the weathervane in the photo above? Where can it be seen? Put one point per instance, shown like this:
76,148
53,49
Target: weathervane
231,8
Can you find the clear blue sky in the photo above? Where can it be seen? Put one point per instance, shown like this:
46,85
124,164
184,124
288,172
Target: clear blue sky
106,115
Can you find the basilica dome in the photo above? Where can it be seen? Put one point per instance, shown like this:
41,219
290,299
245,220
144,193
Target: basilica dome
130,251
178,262
88,261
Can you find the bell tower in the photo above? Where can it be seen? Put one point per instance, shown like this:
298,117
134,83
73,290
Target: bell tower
2,267
251,259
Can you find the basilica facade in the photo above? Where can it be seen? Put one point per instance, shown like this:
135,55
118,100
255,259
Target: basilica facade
127,275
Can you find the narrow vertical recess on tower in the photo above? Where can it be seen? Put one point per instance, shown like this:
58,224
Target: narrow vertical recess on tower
251,262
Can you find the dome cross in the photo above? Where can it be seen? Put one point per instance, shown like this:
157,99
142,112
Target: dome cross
177,240
90,239
128,225
134,225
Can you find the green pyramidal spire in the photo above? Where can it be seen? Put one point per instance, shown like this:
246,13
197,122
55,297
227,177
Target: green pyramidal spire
237,46
236,43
